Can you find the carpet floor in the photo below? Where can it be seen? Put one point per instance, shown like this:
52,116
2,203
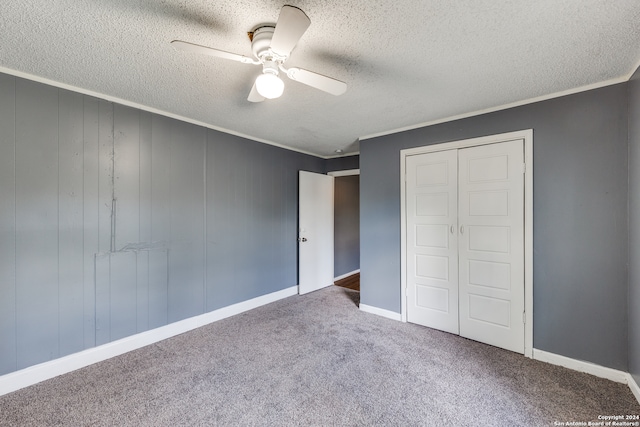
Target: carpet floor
317,360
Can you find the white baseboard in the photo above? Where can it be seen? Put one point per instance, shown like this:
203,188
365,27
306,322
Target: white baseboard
381,312
346,275
581,366
589,368
633,385
44,371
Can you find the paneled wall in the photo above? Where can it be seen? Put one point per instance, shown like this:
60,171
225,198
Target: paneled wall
252,218
114,221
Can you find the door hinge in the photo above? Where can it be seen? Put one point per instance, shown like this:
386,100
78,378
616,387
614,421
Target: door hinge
524,168
524,317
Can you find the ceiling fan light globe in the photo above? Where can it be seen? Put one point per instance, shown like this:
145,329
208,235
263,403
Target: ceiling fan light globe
269,85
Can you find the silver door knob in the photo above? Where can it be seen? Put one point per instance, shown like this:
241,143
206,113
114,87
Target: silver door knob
302,239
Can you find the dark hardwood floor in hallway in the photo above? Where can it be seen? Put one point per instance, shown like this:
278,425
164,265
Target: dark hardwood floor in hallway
352,282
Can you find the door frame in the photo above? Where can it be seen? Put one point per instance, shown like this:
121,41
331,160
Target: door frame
348,172
527,136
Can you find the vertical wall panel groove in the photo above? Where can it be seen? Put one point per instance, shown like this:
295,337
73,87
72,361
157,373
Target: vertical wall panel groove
103,297
70,224
122,294
160,220
8,356
105,174
105,197
204,219
91,212
36,222
144,220
123,265
186,280
126,142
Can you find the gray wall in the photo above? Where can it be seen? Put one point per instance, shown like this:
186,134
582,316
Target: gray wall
580,217
634,226
343,163
188,200
346,232
201,220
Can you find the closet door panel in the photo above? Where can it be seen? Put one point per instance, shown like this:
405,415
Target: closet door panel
432,251
491,240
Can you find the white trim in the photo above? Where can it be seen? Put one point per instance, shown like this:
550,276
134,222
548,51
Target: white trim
633,385
149,109
380,312
44,371
527,136
581,366
348,172
351,273
471,142
528,243
500,107
336,156
589,368
110,98
403,236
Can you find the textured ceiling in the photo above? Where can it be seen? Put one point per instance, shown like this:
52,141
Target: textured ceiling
406,62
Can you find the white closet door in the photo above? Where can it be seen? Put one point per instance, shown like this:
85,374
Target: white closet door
491,240
432,251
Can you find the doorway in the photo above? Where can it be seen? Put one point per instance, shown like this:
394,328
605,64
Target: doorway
347,228
329,229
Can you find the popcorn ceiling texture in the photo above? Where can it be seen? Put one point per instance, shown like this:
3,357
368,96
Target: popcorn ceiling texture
406,62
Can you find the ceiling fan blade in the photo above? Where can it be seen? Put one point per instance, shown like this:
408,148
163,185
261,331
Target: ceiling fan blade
292,24
254,96
190,47
318,81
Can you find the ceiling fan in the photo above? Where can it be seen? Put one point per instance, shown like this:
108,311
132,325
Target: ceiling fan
272,45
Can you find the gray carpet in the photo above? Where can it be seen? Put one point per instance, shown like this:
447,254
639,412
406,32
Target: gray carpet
317,360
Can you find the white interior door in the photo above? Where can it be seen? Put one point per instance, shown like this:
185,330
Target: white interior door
491,254
315,236
432,249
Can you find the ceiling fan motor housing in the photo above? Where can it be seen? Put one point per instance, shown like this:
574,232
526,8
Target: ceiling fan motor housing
262,41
